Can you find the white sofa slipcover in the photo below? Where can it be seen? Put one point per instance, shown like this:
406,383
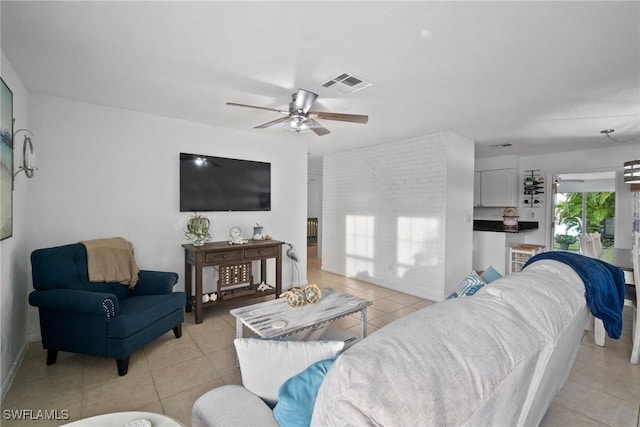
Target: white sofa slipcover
495,358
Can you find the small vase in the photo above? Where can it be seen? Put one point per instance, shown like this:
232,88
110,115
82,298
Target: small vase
257,233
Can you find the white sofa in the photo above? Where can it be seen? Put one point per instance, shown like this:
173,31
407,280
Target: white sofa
495,358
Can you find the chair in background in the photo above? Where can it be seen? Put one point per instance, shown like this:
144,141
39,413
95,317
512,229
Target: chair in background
635,251
589,247
608,231
100,318
586,245
630,299
596,243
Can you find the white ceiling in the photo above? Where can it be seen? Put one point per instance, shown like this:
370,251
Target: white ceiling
543,76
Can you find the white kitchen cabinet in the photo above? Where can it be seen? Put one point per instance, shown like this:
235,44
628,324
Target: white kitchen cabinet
491,248
495,188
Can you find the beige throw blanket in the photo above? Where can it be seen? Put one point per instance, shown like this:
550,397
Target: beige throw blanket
111,260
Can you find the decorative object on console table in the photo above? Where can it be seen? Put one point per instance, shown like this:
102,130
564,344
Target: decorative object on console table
231,261
257,232
236,236
234,276
533,188
198,229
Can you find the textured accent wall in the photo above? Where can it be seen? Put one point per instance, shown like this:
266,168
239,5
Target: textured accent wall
399,214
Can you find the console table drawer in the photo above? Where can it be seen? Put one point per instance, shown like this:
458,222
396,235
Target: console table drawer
260,252
223,256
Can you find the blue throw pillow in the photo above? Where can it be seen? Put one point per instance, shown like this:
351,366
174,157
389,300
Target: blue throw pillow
469,286
297,396
490,274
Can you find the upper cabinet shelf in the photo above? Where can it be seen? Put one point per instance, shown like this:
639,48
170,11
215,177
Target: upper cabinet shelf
495,188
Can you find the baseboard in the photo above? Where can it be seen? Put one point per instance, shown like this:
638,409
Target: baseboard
7,381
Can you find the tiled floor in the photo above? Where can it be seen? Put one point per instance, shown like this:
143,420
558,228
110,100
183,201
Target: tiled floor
170,374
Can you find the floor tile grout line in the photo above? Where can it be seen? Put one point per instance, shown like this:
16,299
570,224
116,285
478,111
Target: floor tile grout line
580,413
603,391
153,380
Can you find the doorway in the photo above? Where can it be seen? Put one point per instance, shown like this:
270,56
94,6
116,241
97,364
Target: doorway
314,208
583,203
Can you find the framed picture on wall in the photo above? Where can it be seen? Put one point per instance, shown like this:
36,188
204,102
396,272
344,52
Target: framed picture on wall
6,161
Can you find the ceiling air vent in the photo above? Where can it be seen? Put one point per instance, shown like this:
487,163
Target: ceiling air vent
346,84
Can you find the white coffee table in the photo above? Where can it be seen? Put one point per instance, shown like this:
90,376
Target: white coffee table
277,319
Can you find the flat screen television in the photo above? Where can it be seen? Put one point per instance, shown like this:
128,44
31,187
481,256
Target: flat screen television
220,184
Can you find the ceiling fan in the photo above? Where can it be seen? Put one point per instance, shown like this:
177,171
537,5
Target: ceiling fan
299,117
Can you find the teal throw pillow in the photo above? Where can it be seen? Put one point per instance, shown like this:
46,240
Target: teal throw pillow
490,274
469,286
297,396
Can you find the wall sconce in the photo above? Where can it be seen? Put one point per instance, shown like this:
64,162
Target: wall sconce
28,156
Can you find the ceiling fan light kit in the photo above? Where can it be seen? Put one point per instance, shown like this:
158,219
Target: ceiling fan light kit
298,119
298,124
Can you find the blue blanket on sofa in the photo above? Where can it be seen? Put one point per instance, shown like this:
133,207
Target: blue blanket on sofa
603,283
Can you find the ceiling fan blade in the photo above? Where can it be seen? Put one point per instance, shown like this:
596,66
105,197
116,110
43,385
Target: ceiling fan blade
354,118
273,122
235,104
317,128
304,100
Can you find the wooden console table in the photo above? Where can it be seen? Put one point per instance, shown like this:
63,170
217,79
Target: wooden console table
223,254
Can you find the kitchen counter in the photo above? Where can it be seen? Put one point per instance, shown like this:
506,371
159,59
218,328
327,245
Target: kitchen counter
498,226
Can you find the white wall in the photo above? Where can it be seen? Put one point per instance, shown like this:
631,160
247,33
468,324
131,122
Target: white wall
392,213
13,251
105,172
315,165
459,210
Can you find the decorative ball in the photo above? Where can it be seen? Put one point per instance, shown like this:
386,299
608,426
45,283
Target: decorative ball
312,293
295,297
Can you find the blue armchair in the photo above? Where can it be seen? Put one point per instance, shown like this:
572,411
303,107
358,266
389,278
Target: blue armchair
99,318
